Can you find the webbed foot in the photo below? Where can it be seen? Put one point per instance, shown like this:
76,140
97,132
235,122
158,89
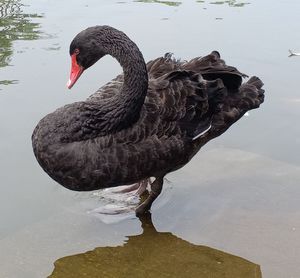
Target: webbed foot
140,187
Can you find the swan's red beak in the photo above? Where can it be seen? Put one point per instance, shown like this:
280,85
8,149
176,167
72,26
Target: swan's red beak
76,71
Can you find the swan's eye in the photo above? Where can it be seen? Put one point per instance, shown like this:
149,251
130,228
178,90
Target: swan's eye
76,51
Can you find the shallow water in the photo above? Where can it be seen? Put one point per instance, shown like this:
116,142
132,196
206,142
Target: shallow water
238,197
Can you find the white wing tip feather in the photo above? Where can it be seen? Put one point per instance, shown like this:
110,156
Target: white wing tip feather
202,133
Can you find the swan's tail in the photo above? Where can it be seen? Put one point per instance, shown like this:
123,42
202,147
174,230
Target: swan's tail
249,96
252,94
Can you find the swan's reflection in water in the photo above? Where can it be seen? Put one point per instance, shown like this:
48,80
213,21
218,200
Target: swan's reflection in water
155,254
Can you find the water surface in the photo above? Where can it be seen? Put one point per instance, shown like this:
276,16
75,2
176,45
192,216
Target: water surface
239,195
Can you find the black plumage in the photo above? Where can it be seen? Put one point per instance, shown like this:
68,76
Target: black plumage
146,122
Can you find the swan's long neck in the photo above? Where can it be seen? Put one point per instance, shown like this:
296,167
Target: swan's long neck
124,109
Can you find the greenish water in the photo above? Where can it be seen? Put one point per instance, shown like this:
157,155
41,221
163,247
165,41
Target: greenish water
236,202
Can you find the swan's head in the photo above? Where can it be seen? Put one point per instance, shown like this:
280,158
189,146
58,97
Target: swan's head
85,50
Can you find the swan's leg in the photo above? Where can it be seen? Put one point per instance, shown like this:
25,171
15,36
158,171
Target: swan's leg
156,188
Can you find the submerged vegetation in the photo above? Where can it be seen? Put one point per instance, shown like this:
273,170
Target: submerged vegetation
14,25
169,3
231,3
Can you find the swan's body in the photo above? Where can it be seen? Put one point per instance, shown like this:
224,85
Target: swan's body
147,122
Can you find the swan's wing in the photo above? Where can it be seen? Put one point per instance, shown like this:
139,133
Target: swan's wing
162,65
212,67
185,103
191,94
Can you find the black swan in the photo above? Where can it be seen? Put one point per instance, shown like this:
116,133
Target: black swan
147,122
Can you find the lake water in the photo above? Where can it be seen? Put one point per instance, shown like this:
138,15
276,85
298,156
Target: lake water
233,211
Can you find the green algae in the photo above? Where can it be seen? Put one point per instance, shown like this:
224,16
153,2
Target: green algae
169,3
